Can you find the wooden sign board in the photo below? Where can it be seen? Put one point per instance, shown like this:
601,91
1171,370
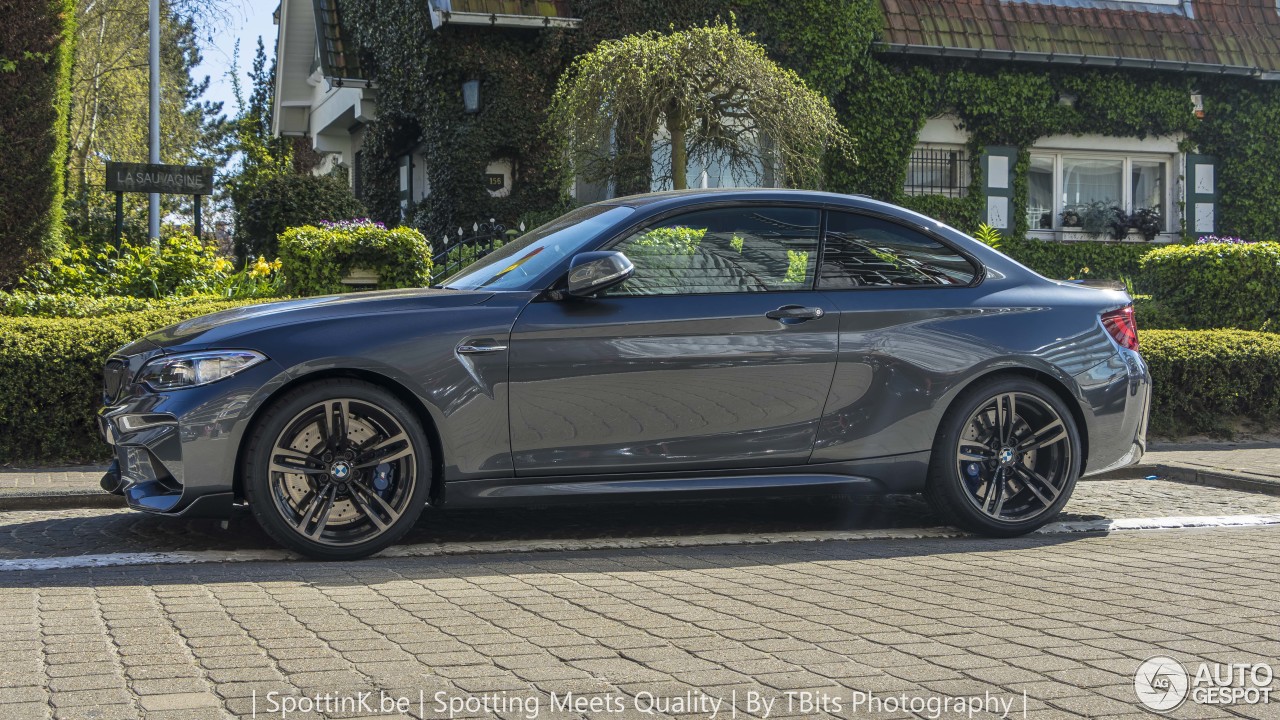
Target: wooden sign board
165,179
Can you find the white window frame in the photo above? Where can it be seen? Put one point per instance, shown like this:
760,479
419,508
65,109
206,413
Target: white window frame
1126,186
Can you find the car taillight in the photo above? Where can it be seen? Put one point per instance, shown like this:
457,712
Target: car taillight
1122,327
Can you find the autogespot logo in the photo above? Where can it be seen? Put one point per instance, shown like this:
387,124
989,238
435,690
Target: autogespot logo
1161,683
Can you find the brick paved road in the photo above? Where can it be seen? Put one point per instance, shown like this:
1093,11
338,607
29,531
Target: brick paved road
1065,619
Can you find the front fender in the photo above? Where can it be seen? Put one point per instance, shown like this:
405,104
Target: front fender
465,396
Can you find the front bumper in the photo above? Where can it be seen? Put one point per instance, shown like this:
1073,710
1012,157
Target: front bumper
175,452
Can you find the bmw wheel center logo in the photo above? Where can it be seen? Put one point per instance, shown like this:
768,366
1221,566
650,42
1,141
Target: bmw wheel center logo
340,470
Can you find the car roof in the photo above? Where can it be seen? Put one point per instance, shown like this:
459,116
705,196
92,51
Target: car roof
658,202
680,196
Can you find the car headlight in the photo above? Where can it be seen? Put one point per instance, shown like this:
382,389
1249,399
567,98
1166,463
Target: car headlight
174,372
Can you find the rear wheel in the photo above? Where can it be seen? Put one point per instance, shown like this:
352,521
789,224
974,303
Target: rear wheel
337,470
1005,459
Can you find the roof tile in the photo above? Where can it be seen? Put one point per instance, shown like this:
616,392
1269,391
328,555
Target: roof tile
1238,33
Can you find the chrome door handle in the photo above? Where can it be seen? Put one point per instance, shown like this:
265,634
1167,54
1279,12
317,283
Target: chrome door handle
795,313
479,349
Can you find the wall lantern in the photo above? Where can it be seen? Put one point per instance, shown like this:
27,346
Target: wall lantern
1197,104
471,96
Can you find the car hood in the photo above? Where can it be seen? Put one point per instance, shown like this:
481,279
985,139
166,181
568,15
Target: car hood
206,330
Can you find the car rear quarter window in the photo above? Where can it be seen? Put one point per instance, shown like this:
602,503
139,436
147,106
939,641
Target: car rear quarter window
866,251
724,250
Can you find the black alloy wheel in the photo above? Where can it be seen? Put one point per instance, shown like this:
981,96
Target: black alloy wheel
338,470
1006,458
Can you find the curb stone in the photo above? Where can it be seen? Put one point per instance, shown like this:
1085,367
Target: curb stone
1195,476
59,500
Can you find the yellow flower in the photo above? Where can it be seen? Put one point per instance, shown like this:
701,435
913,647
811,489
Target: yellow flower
277,264
1084,270
221,265
260,268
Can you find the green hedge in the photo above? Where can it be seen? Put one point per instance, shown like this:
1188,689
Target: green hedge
51,379
36,38
1154,315
1203,381
317,258
1063,260
1218,285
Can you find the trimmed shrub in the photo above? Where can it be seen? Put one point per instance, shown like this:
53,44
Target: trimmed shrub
51,379
1217,285
1080,260
286,201
36,39
67,305
1205,380
317,258
1153,315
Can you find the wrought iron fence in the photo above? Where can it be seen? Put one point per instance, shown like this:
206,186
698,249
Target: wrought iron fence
933,171
456,252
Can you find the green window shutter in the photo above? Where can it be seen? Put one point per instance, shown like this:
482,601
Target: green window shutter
998,164
1202,194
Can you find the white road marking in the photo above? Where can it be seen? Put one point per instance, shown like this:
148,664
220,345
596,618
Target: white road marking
187,557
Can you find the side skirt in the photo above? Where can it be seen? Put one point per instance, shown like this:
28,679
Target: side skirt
874,476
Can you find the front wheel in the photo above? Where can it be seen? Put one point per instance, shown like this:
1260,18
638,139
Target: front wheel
337,470
1006,458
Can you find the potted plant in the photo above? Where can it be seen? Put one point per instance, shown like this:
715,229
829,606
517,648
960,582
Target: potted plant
1119,223
1148,222
1099,217
1070,217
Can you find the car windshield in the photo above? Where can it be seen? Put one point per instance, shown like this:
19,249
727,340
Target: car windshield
514,265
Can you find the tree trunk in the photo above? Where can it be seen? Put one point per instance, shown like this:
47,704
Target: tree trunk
679,152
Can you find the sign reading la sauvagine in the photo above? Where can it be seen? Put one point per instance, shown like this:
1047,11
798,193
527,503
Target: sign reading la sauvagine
166,179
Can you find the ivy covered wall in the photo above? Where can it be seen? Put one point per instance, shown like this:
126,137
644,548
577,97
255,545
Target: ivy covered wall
883,99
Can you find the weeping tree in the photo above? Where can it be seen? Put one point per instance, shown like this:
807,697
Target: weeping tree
708,94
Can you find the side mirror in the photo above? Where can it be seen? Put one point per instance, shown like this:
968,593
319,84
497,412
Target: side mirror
593,272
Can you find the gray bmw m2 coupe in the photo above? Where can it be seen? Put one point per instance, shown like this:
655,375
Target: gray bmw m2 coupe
670,345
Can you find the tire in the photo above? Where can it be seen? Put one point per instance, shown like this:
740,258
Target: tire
1014,476
363,469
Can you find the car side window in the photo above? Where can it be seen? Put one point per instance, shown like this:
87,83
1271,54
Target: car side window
866,251
725,250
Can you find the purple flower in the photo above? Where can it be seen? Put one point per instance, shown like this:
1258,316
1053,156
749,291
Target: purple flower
1226,240
353,224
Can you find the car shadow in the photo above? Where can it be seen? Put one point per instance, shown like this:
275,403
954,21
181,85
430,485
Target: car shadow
71,533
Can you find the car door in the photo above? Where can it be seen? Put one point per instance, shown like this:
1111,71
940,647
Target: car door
907,301
716,353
